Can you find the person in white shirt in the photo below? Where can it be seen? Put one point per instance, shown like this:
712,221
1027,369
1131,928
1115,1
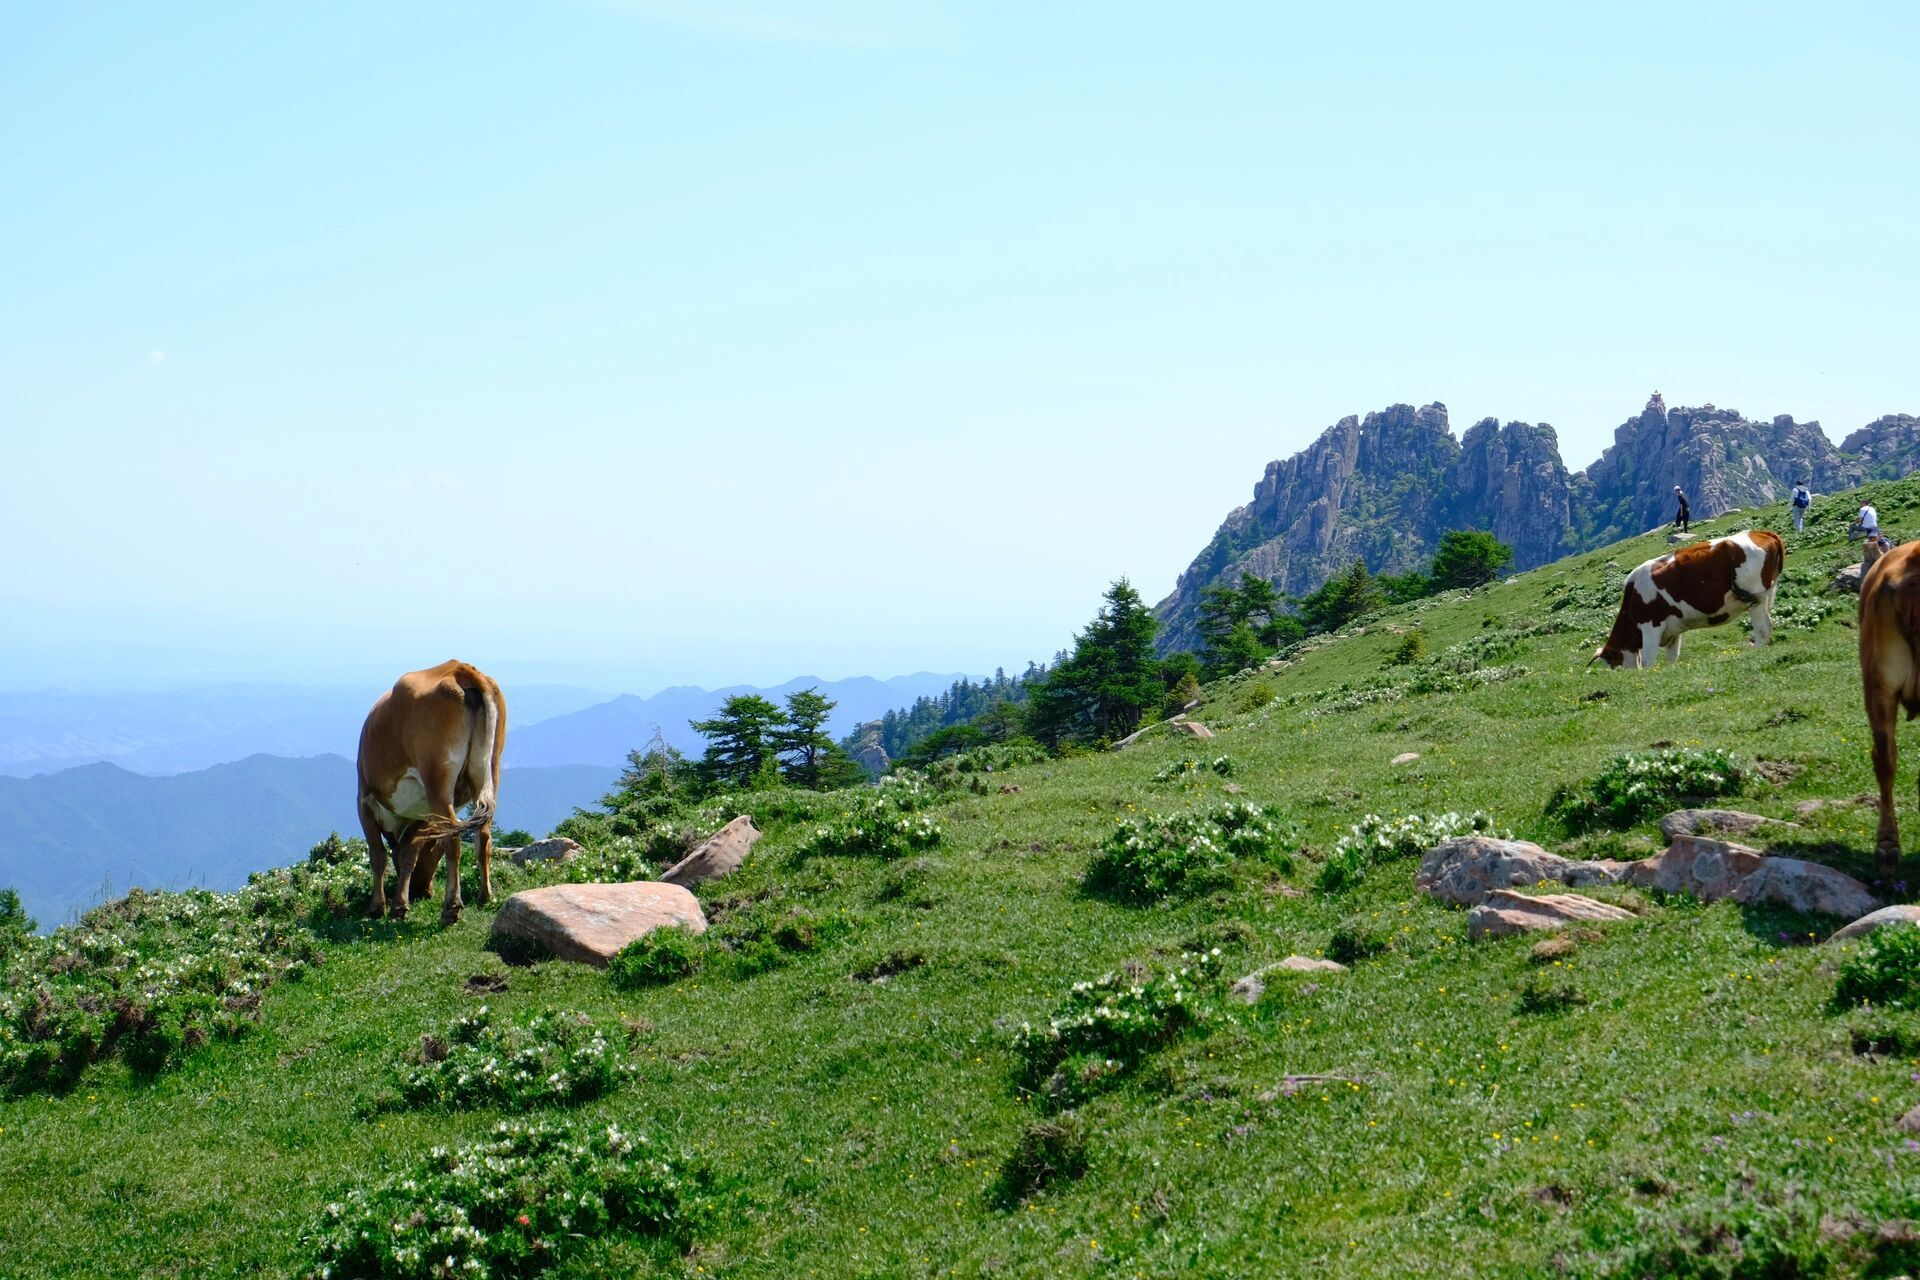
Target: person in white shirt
1802,499
1866,527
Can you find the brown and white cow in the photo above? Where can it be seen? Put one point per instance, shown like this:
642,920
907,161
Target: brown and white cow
1702,584
430,745
1890,676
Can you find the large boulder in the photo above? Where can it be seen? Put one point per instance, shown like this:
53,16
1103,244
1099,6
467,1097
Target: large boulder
1193,728
1707,869
589,923
1808,887
557,849
1902,913
1465,869
1724,822
1714,869
1505,913
719,855
1848,578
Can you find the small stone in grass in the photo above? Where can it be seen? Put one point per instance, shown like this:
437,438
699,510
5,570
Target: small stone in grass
1405,757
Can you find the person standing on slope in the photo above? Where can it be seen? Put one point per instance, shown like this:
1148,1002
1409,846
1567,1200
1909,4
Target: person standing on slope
1801,501
1680,516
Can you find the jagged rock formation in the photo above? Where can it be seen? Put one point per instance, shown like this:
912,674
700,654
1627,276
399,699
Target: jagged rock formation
1888,447
1385,488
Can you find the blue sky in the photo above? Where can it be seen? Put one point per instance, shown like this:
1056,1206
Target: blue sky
634,343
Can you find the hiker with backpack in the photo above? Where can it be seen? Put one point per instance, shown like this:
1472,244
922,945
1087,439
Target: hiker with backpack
1801,501
1680,516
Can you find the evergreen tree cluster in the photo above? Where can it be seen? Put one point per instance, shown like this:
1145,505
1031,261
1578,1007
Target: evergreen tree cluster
753,743
1113,677
1241,626
991,706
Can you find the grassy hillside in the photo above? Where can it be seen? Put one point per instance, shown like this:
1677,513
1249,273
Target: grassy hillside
855,1087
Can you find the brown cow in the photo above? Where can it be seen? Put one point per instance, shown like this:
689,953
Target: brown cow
431,744
1702,585
1890,676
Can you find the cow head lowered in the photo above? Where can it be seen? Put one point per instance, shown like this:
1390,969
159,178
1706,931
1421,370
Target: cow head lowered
431,744
1700,585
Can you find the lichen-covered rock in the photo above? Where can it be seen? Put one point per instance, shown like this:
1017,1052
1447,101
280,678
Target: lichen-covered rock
1706,868
1465,869
1505,913
719,855
1808,887
589,923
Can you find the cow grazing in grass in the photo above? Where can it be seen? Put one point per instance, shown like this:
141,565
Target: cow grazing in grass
1890,676
1700,585
431,744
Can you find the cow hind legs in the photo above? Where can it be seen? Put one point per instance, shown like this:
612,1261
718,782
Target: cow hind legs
450,906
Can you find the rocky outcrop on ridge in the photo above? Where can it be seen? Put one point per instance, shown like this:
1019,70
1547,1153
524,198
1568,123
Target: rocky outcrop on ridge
1384,488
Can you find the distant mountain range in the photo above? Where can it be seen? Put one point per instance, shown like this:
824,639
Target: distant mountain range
603,734
180,730
70,839
1384,489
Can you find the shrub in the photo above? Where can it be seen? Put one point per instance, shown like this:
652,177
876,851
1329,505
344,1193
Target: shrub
880,822
1147,858
153,976
1884,971
1118,1018
1642,784
1375,839
1048,1150
554,1058
657,958
1144,859
524,1199
1412,648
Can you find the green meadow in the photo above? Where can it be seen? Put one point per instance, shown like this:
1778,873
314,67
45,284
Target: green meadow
1679,1093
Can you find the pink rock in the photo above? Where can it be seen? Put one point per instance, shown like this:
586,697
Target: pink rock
1707,869
1195,728
1505,913
719,855
589,923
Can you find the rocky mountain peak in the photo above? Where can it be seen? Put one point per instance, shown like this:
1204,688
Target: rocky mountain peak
1385,487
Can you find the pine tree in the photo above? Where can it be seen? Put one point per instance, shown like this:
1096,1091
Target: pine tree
801,742
739,741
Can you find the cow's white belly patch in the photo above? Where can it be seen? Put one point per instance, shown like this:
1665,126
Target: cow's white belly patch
407,804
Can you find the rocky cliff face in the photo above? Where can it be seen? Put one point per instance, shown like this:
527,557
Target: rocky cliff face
1385,488
1888,447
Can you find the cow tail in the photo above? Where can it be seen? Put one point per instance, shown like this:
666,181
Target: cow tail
1776,559
485,716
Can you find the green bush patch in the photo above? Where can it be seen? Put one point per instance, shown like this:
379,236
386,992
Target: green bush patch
555,1058
1145,859
1884,971
1644,784
657,958
515,1204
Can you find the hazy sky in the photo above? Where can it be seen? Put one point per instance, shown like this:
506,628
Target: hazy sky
642,342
